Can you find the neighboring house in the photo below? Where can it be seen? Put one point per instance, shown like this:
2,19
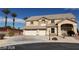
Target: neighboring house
50,24
17,31
5,30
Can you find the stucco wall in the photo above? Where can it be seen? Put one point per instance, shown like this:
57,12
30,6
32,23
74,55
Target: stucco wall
38,23
56,21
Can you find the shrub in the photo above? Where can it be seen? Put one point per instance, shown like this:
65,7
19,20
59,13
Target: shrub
2,36
54,38
63,34
11,33
70,33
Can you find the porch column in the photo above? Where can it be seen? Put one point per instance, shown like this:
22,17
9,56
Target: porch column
48,30
55,30
59,30
75,28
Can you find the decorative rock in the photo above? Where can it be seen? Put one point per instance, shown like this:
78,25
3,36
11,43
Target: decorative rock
54,38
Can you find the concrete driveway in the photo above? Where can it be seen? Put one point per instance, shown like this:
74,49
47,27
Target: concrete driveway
35,39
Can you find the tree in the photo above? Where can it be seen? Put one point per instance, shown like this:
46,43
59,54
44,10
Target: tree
14,15
25,20
9,27
6,12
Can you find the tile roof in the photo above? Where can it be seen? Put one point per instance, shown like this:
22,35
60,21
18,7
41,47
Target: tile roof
53,16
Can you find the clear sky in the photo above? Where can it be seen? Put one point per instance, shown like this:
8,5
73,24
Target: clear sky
26,12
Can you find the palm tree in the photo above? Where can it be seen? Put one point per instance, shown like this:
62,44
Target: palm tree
14,15
6,12
25,20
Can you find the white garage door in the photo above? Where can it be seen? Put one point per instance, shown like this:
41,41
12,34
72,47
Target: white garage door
30,32
42,32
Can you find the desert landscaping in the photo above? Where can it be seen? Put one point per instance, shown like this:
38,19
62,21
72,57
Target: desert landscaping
53,31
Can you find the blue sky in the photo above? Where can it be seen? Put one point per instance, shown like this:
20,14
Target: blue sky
26,12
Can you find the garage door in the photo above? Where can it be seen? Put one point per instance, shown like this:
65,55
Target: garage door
42,32
30,32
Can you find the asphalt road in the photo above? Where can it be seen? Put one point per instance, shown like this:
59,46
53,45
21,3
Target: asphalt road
43,46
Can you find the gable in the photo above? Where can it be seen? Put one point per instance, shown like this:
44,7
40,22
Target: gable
68,20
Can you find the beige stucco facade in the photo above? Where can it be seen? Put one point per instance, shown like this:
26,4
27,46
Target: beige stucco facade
45,26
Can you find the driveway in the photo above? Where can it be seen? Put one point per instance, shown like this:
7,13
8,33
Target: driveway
17,40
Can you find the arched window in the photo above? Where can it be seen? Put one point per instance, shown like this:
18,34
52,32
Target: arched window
66,27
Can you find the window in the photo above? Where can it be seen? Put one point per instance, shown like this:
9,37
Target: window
52,21
43,20
31,22
52,30
66,27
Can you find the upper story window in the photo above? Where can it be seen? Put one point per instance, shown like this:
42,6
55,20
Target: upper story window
31,22
43,20
52,21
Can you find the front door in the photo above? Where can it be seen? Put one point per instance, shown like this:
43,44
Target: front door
52,30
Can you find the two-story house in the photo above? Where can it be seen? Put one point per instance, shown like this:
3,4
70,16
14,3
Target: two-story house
50,24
